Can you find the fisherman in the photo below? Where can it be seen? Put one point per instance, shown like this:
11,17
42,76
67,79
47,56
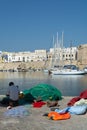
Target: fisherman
13,94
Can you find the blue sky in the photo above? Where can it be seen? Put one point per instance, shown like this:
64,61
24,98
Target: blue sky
26,25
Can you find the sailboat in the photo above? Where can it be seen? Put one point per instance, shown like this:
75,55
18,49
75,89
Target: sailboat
52,59
67,69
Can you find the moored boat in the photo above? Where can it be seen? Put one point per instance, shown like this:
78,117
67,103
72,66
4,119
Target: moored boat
85,69
71,72
68,70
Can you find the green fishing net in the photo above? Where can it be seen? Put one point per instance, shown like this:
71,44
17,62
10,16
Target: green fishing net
45,91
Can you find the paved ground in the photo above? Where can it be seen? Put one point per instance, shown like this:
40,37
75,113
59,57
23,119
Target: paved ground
36,120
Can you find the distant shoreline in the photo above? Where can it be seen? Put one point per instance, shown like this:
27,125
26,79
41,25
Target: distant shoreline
27,66
22,66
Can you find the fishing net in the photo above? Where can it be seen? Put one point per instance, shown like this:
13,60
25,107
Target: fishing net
45,91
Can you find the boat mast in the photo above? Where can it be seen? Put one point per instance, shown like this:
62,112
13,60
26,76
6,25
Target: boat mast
53,54
62,48
57,39
57,51
71,53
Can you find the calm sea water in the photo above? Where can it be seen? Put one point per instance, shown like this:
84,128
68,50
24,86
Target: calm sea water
68,85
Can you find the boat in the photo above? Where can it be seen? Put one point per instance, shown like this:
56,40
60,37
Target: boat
66,69
51,65
85,69
46,70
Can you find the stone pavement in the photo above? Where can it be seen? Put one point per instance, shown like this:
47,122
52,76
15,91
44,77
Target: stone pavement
36,120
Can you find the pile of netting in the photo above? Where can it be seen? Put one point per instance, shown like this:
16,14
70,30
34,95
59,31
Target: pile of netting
45,91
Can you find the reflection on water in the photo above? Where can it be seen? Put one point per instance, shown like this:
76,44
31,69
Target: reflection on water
71,85
68,85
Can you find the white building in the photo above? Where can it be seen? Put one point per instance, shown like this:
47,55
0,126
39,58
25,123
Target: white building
41,55
65,53
38,55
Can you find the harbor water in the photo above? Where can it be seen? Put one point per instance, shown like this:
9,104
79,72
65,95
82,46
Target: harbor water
69,85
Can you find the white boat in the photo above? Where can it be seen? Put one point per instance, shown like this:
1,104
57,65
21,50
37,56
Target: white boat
85,69
68,72
46,70
66,69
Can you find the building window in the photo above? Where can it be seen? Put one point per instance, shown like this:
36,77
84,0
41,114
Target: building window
19,58
23,59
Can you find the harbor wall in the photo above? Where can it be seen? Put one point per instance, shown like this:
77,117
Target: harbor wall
39,65
22,65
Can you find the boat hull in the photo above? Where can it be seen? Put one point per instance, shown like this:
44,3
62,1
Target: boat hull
63,72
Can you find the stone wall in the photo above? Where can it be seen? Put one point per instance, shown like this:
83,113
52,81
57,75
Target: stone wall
23,65
82,55
40,65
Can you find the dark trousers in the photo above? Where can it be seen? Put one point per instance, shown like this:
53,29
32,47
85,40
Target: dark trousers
13,103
